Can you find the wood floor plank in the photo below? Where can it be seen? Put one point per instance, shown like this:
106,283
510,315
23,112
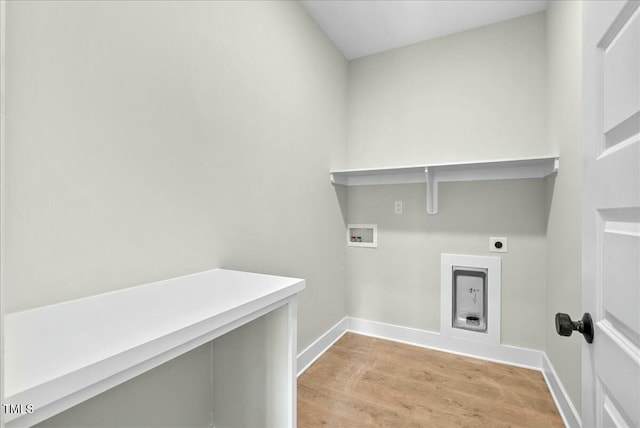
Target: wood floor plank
367,382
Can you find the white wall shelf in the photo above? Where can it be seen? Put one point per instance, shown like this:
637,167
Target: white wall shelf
432,174
60,355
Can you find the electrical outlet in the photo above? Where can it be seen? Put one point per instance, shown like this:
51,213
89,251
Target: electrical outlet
397,207
498,245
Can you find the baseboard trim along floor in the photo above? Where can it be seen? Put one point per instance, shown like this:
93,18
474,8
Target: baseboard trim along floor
511,355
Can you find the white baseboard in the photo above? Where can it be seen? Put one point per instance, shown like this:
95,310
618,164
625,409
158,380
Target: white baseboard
505,354
511,355
563,403
312,352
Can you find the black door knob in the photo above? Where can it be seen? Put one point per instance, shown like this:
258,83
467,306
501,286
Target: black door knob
564,326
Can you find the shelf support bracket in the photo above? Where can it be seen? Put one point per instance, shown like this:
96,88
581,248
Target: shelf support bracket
432,191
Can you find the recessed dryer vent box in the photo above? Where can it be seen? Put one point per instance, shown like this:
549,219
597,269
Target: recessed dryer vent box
469,298
362,235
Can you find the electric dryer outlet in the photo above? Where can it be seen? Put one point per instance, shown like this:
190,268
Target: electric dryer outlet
498,244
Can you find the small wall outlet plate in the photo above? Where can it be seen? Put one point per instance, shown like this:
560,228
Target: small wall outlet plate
397,207
498,244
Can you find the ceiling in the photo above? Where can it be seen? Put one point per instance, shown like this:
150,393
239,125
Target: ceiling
365,27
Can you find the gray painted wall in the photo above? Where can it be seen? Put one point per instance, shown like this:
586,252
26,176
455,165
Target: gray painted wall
147,140
480,94
564,267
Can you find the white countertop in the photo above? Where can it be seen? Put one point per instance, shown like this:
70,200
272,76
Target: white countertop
57,350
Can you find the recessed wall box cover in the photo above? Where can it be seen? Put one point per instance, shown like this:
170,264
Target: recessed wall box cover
470,288
469,298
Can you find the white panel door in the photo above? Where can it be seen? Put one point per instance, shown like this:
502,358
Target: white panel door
611,235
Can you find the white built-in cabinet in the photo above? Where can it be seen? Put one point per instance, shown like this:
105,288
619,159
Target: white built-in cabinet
61,355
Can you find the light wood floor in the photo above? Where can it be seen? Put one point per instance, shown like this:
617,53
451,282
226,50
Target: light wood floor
366,382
